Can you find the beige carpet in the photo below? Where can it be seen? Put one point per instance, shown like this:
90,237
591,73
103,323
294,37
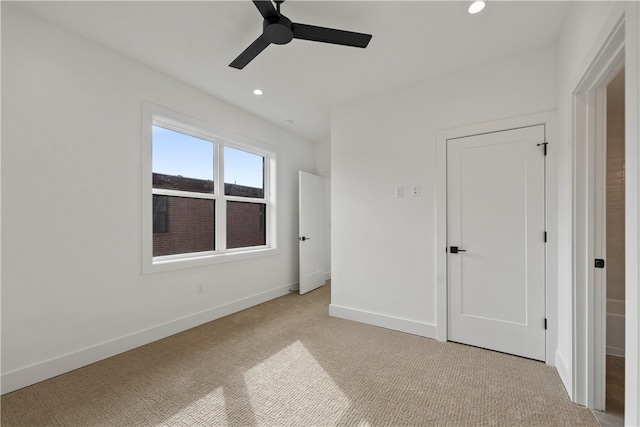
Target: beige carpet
287,363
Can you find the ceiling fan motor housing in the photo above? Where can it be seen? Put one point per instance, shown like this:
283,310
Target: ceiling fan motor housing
277,30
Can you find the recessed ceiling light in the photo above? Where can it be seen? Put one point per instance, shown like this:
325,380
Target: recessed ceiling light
257,92
476,6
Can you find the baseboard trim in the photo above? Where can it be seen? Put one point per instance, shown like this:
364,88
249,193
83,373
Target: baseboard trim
47,369
294,287
564,373
384,321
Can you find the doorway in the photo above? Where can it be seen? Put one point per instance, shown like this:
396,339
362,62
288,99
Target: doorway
610,244
496,232
311,233
589,240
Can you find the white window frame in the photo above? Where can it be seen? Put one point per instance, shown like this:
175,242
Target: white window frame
219,137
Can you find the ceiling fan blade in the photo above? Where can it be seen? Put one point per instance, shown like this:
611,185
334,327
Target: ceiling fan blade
249,53
330,35
266,8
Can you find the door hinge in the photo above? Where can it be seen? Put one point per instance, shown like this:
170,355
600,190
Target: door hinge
545,237
544,144
545,323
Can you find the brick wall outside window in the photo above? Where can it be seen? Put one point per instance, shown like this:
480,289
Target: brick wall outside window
190,222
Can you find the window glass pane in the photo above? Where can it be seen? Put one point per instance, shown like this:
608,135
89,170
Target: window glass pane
160,218
243,173
189,225
181,162
246,224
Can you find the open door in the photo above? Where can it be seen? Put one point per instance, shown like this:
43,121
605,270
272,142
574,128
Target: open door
311,236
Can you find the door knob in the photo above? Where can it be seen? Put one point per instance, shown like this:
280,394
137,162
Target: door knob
303,238
455,250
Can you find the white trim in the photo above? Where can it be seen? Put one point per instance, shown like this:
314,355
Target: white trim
442,301
162,265
243,199
220,204
542,118
384,321
59,365
563,370
179,193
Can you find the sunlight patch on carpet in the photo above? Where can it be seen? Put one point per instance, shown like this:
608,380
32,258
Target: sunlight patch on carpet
209,410
291,387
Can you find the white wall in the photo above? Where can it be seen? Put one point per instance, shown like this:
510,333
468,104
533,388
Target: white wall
383,255
72,285
323,168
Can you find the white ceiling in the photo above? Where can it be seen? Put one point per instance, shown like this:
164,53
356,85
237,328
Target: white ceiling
413,40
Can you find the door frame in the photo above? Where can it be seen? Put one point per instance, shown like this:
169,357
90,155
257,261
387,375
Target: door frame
441,226
588,143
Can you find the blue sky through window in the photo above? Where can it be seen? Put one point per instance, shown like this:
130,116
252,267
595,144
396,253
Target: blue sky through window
243,168
175,153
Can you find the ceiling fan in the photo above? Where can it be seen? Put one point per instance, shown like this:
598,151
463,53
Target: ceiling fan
278,29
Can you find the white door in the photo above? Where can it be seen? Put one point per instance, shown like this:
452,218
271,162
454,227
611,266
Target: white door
311,237
496,219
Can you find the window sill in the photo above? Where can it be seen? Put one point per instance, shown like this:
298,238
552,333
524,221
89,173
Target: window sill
159,266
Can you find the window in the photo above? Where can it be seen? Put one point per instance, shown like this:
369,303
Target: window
183,193
244,190
209,199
